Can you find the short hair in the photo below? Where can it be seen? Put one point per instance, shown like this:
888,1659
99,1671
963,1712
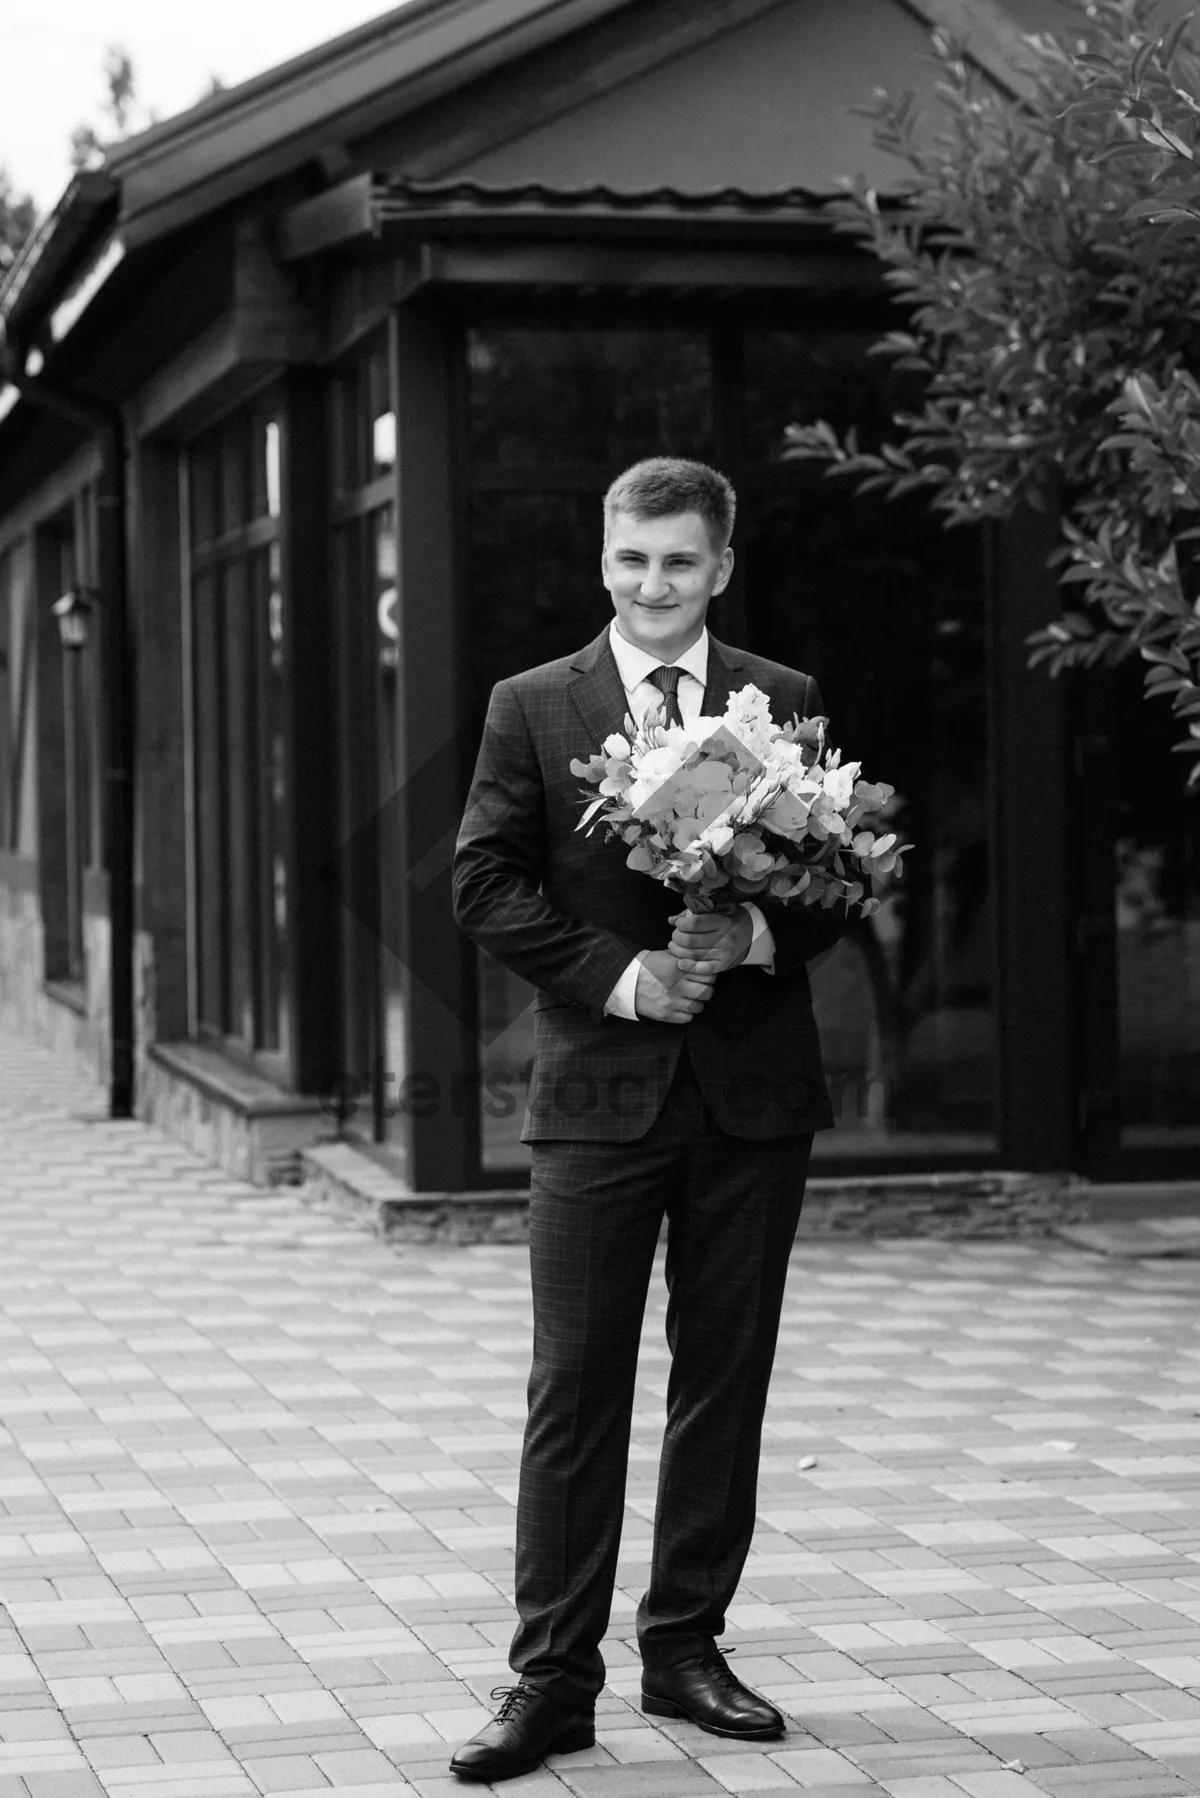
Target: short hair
663,486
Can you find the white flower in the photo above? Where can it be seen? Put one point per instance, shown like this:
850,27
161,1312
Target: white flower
654,767
748,718
617,746
839,785
804,784
659,763
718,837
784,758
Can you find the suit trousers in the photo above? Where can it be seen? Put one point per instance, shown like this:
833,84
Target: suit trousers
596,1210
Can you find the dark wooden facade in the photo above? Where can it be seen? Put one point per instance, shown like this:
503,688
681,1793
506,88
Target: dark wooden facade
373,335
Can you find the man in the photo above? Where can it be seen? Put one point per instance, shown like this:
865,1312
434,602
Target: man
675,1073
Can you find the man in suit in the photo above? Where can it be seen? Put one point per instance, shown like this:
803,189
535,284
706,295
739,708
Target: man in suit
677,1072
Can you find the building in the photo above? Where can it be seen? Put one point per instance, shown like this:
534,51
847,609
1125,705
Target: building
312,395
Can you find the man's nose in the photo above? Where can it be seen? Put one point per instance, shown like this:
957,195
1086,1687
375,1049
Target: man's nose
654,584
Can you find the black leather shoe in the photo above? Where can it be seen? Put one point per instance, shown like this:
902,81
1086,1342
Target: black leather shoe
706,1692
527,1727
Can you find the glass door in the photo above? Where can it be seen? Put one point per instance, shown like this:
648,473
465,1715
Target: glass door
879,602
886,610
1156,919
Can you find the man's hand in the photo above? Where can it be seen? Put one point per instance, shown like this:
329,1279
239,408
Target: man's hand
666,993
711,944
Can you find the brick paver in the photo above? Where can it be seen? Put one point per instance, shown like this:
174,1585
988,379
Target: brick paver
257,1474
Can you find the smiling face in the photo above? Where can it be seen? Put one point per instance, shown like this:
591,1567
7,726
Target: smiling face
662,573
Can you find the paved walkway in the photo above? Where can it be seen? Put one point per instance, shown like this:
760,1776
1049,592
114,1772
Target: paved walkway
257,1475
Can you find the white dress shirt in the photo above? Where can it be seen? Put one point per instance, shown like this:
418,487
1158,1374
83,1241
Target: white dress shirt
635,666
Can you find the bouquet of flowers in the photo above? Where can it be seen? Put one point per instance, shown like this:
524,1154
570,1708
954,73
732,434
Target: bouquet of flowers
729,808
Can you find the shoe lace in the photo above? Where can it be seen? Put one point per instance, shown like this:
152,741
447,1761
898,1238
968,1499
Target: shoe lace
513,1700
715,1664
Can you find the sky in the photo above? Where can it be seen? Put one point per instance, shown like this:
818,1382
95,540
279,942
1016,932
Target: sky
52,55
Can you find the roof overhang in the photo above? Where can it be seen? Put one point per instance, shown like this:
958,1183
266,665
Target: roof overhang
303,110
388,210
52,255
301,113
306,110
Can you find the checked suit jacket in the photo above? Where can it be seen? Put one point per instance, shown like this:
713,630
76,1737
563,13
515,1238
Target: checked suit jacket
560,908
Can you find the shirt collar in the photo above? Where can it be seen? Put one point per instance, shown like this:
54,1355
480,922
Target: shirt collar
634,665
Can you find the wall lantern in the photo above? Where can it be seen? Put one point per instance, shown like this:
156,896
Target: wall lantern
74,611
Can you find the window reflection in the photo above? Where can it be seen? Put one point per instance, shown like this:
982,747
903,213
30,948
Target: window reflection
364,426
536,595
798,377
383,442
886,610
535,582
272,468
552,396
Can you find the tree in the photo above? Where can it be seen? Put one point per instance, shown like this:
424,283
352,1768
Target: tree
121,113
1054,321
18,216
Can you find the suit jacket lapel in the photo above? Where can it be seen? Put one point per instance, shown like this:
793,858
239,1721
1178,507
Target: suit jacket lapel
724,667
596,691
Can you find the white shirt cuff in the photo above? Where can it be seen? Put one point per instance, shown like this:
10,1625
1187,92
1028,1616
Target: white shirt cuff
622,1001
761,953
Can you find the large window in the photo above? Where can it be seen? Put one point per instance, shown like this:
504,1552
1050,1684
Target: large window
238,704
877,601
68,761
18,632
9,711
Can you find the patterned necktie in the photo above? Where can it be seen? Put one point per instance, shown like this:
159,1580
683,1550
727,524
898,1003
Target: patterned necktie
667,681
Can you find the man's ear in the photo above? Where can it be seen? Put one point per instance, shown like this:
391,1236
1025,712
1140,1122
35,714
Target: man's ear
725,569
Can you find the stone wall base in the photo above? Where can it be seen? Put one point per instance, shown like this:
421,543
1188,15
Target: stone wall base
72,1025
997,1206
236,1120
982,1207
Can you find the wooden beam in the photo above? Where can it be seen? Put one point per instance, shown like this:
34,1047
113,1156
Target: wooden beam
337,216
311,745
437,959
1030,846
641,266
53,494
266,327
175,399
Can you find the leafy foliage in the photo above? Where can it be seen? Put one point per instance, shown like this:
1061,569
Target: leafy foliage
18,216
121,113
1052,281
